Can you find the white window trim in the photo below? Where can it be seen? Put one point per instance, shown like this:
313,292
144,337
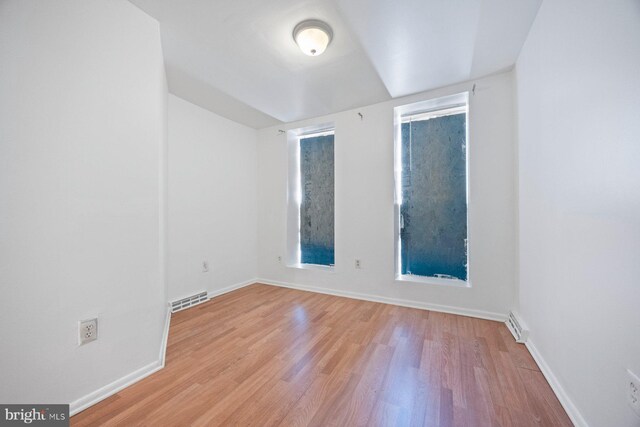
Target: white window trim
424,110
294,194
319,267
428,280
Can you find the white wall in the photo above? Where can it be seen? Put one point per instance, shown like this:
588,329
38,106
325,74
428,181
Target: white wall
82,132
578,86
212,200
364,204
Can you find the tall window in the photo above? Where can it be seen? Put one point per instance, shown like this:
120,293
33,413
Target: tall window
310,201
316,211
431,187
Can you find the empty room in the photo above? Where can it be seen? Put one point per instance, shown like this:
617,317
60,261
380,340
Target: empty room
320,213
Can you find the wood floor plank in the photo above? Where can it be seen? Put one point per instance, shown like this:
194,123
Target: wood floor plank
268,356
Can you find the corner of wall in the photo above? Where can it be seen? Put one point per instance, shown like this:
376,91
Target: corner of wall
114,387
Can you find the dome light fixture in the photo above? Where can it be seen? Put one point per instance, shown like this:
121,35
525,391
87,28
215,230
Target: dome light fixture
312,36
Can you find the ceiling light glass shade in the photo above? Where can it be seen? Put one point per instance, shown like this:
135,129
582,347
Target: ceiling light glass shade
312,36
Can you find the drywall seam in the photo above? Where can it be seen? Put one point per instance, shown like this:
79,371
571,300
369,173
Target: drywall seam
481,314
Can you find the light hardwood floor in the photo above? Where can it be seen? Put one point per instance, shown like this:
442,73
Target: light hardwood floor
264,355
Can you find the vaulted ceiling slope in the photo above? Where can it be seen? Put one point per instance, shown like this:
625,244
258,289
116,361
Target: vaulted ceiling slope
238,58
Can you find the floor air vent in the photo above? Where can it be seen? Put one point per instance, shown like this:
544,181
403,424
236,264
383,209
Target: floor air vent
516,328
187,302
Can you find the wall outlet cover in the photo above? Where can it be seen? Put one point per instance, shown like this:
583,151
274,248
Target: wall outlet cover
87,331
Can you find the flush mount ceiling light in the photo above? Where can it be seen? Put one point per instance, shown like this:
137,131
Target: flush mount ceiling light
312,36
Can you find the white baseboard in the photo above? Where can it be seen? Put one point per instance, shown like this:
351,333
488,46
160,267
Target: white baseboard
217,292
501,317
572,411
565,401
110,389
135,376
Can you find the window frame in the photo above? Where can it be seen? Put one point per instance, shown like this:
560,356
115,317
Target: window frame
294,195
430,108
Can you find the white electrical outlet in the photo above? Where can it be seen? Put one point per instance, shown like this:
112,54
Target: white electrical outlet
358,264
633,391
205,266
87,331
279,258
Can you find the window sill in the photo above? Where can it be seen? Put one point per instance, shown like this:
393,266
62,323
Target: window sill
327,268
413,279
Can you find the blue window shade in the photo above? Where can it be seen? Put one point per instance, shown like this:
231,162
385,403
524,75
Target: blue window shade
434,198
316,209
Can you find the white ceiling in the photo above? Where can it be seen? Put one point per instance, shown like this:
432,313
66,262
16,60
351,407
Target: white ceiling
238,58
